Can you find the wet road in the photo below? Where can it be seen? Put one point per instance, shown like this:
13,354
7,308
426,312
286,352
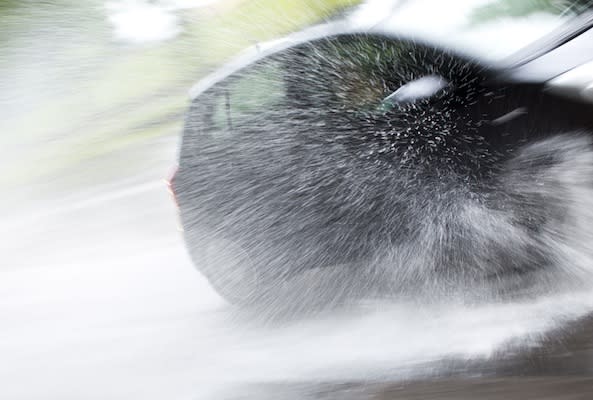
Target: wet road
99,300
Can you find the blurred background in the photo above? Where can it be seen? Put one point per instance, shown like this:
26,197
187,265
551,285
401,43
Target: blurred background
84,83
89,89
98,298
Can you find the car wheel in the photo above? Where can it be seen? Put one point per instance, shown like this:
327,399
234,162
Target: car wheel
230,270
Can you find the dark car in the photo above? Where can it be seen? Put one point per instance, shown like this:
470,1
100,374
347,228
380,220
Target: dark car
418,166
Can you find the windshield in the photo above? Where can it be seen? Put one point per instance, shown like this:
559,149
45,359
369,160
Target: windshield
490,29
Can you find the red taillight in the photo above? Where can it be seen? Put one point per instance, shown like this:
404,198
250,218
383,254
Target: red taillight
171,184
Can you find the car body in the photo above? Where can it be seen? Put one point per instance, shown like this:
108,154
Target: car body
427,167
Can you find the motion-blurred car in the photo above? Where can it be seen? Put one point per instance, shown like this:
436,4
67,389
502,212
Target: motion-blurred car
371,150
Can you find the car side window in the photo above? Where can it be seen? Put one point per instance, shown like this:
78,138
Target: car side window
321,86
243,99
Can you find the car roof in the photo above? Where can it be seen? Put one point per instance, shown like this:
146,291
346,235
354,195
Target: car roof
325,30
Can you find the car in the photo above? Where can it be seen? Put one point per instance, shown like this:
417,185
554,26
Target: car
422,168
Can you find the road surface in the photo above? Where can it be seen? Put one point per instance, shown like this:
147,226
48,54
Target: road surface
99,300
